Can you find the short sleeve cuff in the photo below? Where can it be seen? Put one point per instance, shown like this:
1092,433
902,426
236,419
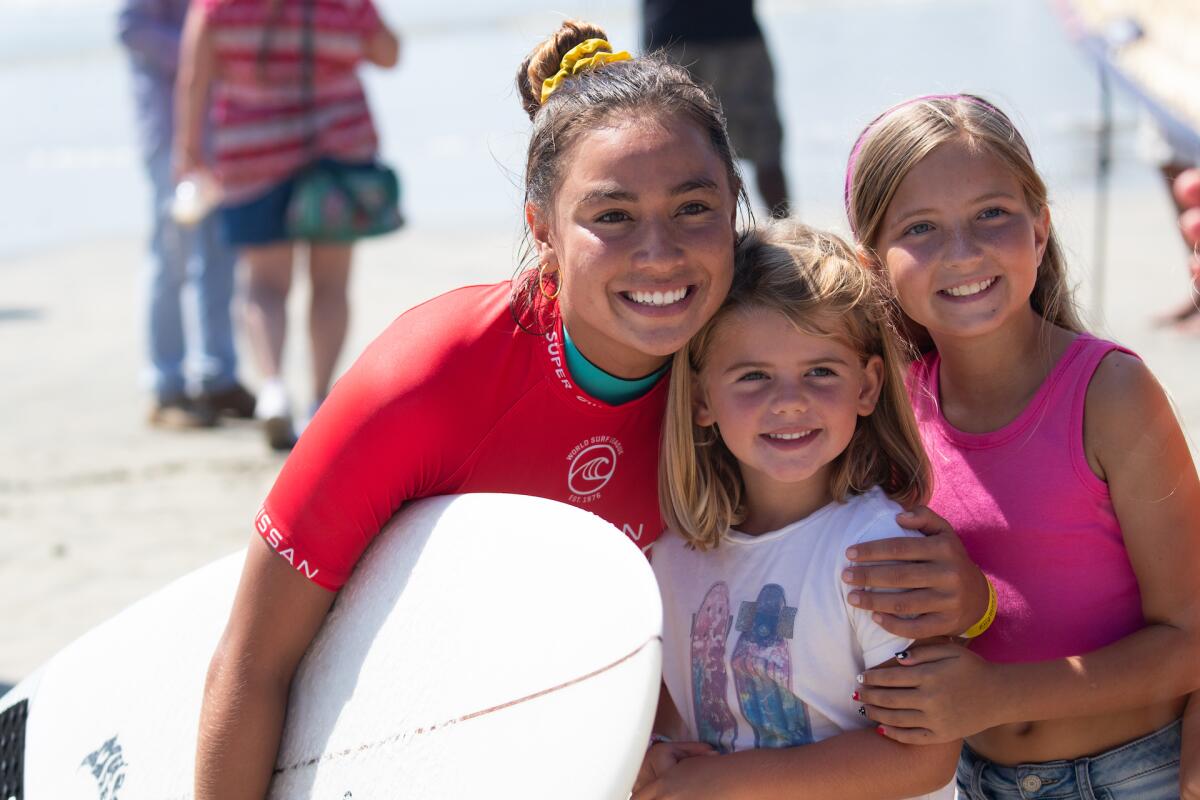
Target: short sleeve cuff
885,651
300,560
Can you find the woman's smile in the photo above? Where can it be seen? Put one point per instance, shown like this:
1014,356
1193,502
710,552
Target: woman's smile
642,235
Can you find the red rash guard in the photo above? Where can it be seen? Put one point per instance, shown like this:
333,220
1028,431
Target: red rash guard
454,397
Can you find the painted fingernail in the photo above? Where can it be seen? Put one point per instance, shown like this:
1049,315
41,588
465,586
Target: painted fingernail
903,654
855,696
879,730
855,599
852,553
862,710
859,678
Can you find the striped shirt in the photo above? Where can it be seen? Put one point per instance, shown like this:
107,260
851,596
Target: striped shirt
266,123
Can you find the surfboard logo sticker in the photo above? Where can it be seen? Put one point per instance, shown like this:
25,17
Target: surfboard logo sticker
107,765
593,463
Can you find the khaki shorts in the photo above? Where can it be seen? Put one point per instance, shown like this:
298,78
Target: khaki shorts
740,72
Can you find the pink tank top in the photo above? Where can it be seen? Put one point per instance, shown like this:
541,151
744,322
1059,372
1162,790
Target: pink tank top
1034,516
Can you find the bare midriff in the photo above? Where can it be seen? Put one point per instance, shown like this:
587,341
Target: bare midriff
1065,739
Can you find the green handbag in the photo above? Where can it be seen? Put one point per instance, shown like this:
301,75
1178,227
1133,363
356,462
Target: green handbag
335,202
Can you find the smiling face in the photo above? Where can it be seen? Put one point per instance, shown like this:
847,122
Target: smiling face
961,244
786,404
641,231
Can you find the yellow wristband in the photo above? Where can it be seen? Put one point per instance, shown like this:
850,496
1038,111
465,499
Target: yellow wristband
989,616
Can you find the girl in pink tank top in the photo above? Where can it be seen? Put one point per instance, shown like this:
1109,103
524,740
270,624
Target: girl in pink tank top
1057,458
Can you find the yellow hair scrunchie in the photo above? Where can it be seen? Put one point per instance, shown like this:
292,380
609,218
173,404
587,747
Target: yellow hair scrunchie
590,54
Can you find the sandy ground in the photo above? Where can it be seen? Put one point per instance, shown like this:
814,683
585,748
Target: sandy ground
97,510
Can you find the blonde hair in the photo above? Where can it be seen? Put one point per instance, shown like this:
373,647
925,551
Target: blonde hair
900,138
814,280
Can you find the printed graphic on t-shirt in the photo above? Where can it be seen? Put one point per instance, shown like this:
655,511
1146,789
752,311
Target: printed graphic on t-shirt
715,723
761,665
762,671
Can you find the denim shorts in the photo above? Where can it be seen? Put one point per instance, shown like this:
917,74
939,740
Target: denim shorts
1144,769
259,221
263,219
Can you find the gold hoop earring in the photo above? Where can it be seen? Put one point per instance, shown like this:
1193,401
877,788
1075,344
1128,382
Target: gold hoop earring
541,279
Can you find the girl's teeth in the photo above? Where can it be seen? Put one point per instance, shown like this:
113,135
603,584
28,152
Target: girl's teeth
788,437
970,288
658,298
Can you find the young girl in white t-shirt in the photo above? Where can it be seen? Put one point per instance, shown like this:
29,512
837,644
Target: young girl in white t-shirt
788,440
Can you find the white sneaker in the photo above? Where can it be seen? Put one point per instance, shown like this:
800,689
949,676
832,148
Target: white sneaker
273,401
274,408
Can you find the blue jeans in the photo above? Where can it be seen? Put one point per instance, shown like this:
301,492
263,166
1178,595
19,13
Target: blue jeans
197,259
1144,769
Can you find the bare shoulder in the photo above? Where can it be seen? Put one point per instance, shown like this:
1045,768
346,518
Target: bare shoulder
1127,415
1123,386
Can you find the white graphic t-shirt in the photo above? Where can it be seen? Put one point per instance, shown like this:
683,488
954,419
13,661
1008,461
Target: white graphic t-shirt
760,646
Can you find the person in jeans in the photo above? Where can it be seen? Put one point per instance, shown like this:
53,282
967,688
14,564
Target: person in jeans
179,257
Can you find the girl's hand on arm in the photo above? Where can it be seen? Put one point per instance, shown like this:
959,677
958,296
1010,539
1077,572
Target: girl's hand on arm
938,693
276,613
944,594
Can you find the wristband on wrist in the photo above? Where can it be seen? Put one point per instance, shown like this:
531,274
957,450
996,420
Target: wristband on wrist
989,615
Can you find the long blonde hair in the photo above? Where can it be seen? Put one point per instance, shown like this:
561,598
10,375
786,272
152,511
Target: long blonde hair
814,280
896,141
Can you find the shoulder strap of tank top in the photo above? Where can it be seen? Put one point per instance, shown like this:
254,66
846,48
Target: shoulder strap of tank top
1074,371
1071,387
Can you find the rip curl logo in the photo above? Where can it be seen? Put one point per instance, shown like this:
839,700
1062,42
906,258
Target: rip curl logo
593,462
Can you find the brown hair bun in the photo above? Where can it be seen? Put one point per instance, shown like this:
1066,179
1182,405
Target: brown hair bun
546,59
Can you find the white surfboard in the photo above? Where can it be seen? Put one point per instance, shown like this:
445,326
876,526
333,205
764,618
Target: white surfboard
486,646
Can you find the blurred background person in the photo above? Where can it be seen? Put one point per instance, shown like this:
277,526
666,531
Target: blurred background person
284,94
1173,158
721,43
200,339
1187,198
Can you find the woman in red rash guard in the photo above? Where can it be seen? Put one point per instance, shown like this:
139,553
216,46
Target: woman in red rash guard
549,385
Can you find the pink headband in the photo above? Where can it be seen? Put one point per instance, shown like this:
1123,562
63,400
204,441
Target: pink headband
862,137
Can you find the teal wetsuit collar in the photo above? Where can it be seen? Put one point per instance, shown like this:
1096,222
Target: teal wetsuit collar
599,384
